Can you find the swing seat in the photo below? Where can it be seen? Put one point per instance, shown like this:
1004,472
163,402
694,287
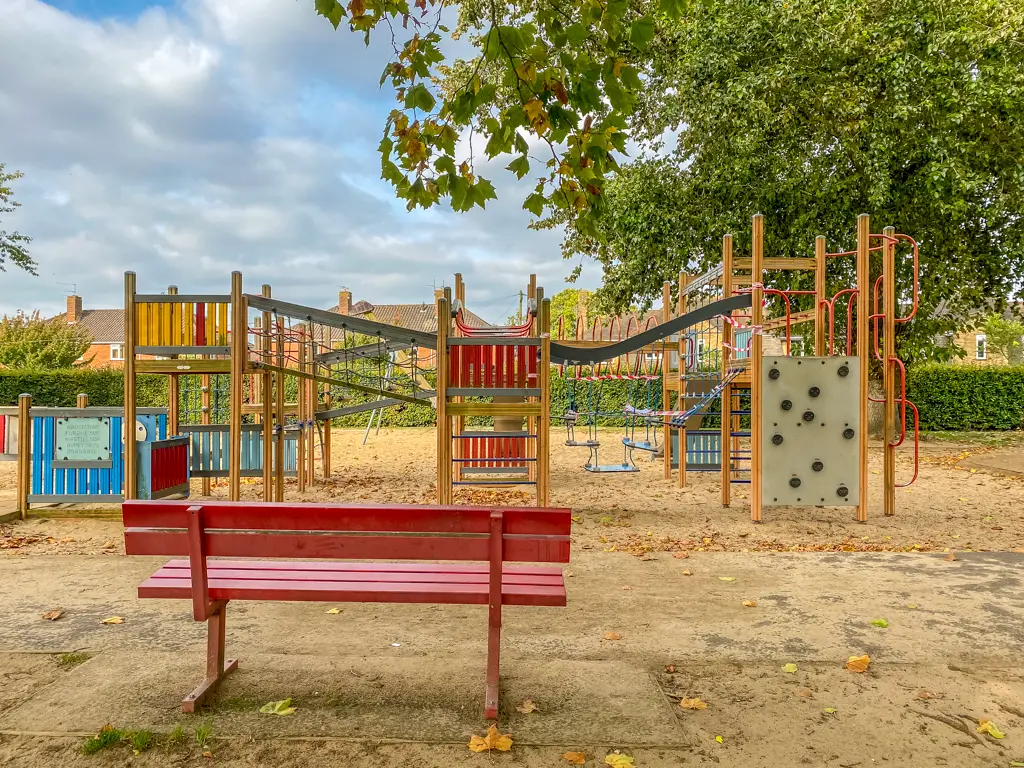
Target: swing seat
640,446
582,443
601,468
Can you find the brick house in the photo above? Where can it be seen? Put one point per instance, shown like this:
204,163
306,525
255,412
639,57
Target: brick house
973,340
106,326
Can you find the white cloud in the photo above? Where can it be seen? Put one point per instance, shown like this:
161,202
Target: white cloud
227,134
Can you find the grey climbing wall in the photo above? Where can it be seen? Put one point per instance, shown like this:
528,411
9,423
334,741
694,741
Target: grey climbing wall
810,413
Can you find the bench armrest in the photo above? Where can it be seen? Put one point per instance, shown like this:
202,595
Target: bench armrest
201,606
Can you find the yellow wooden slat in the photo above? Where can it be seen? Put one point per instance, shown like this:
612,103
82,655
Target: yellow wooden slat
211,323
777,262
188,325
166,331
183,366
222,324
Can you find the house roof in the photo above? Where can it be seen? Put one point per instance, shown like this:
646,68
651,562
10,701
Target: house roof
105,325
416,317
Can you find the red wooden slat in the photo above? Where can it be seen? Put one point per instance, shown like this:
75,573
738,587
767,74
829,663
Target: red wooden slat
509,379
200,324
454,366
462,594
342,566
521,365
3,434
418,577
525,549
278,516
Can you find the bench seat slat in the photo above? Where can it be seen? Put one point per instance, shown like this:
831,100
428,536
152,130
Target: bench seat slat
517,548
347,591
379,566
426,577
401,518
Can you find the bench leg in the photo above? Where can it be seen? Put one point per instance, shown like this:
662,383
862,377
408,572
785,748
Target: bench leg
493,664
217,667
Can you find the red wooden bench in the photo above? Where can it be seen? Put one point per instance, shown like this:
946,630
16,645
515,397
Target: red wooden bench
340,532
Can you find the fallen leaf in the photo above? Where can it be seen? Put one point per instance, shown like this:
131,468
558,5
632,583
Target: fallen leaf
912,606
208,754
627,588
575,758
951,557
576,519
718,739
880,623
53,615
334,611
858,663
282,707
67,540
830,710
803,693
615,760
687,573
790,668
494,740
680,555
527,707
1017,764
693,704
727,578
987,726
612,636
925,694
108,544
671,669
750,603
113,620
963,498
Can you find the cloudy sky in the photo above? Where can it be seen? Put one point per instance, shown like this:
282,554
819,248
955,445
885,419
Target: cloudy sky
184,139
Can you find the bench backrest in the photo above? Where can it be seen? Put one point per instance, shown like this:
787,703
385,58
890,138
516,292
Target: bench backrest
346,531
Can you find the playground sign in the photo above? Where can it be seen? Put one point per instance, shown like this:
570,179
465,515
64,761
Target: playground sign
83,441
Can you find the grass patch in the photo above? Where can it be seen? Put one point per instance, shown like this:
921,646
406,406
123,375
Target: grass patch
140,741
109,736
993,439
73,659
203,734
176,737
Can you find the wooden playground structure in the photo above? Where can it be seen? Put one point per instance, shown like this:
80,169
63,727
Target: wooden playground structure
727,382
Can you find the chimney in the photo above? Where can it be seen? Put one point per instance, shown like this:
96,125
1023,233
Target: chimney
74,314
438,293
344,301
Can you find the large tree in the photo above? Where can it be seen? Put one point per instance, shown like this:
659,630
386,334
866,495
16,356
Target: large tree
813,112
12,244
33,343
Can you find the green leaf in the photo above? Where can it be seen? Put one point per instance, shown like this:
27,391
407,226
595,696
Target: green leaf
483,191
641,32
419,97
880,623
576,34
331,10
535,203
520,166
283,707
459,193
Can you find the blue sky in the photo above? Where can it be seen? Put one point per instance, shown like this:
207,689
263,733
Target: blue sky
187,138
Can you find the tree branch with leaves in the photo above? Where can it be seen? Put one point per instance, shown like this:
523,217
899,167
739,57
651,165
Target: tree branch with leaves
13,245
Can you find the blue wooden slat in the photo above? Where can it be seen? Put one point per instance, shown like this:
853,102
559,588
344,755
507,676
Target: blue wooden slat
48,454
37,455
116,455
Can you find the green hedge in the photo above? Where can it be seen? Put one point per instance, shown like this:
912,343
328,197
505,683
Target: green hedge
967,397
104,386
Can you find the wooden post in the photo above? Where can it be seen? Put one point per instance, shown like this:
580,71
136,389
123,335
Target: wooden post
128,421
544,422
281,418
864,353
173,385
666,358
300,446
327,434
311,400
206,402
239,343
82,400
725,436
267,403
24,452
888,355
756,319
820,320
531,421
444,426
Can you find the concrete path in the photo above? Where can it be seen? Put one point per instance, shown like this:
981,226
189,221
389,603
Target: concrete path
949,657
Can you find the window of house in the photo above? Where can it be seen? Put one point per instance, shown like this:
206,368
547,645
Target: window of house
116,352
980,347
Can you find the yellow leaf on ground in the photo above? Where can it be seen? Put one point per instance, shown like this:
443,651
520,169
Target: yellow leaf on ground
718,739
493,740
830,711
615,760
53,615
576,519
612,636
750,603
334,611
113,620
575,758
527,707
693,704
987,726
687,573
727,578
790,668
282,707
858,663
